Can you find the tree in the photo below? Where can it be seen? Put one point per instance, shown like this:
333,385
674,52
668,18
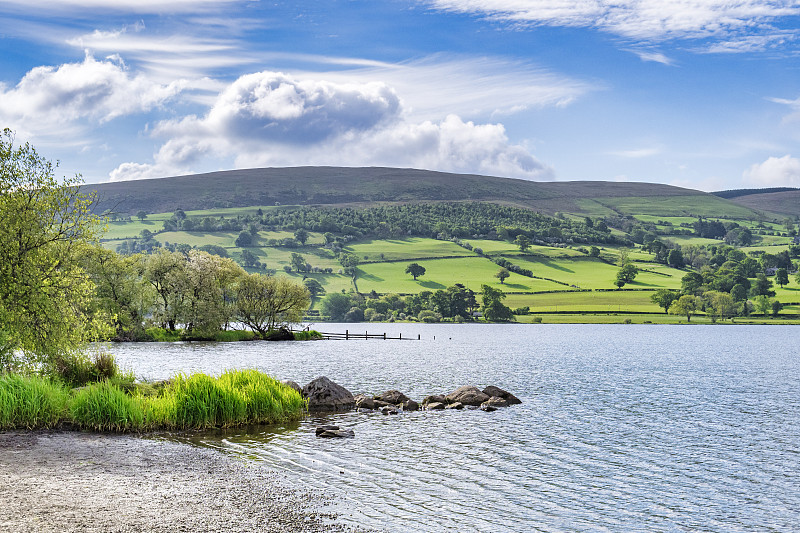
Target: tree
523,242
685,305
141,215
44,222
314,287
244,240
664,298
781,277
209,291
335,305
776,307
301,235
502,274
416,270
249,259
164,271
493,308
266,303
675,259
626,274
722,304
763,304
594,251
692,283
298,262
762,286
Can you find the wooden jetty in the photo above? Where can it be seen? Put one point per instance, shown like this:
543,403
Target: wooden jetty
348,335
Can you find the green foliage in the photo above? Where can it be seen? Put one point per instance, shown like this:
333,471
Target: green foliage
416,270
78,368
307,335
30,402
492,305
44,221
664,298
164,335
502,274
685,305
213,249
335,305
265,303
626,274
781,277
105,407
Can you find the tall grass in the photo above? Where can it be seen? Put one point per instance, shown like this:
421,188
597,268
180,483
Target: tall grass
30,402
198,401
105,407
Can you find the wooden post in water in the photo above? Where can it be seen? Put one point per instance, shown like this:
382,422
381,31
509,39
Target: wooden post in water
347,334
401,336
384,335
418,336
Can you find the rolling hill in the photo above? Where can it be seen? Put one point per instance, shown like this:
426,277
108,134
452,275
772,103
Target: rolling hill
782,201
359,186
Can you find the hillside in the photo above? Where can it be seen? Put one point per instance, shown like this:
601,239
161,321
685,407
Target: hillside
784,202
342,186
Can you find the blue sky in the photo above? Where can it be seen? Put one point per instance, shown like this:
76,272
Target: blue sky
696,93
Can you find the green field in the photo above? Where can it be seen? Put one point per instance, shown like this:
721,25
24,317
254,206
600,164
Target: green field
410,248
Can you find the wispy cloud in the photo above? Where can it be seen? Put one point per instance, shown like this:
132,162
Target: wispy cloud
652,55
638,153
642,20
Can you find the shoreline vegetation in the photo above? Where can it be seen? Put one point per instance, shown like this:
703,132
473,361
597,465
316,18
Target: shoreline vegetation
118,404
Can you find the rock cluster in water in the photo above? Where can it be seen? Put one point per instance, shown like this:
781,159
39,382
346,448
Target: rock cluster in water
323,394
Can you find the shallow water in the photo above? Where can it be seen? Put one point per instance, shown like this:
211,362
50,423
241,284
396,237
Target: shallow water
622,427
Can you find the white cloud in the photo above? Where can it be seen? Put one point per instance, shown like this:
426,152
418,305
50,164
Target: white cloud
775,171
92,90
652,55
643,20
272,119
638,153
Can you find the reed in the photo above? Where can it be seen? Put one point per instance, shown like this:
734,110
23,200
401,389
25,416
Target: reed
30,402
105,407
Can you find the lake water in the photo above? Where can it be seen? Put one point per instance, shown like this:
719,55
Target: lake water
622,427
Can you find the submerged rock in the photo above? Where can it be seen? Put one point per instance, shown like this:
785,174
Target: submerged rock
434,406
389,410
467,395
486,406
496,401
325,395
455,405
434,398
334,432
282,334
410,405
491,390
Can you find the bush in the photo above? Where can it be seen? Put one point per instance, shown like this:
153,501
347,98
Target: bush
30,402
355,314
428,316
105,407
76,369
307,335
537,320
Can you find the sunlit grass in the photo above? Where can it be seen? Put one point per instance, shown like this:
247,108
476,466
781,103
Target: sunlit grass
30,402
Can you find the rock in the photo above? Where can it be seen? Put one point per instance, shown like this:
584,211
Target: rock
389,410
325,395
486,406
410,405
491,390
364,402
393,397
468,395
364,410
334,432
292,384
496,401
380,403
455,405
437,398
434,406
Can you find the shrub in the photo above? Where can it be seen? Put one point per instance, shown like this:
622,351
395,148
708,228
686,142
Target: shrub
428,316
307,335
105,407
537,320
30,402
76,369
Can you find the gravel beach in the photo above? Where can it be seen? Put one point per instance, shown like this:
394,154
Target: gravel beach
64,481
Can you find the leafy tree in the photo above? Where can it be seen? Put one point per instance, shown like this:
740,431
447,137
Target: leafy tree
797,277
523,242
335,305
266,303
626,274
685,305
249,258
692,283
781,277
502,274
301,235
762,286
314,287
594,251
492,306
416,270
244,240
763,304
298,262
722,304
675,259
214,249
739,293
664,298
44,221
141,215
208,290
164,271
355,314
776,307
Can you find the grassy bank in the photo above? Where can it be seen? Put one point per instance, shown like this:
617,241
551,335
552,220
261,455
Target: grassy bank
198,401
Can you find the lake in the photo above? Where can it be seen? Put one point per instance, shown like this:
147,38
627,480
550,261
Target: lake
622,427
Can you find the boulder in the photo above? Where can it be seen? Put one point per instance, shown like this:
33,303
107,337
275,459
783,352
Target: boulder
380,403
496,401
455,405
325,395
437,398
389,410
292,384
486,406
467,395
393,397
434,406
491,390
410,405
334,432
364,402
